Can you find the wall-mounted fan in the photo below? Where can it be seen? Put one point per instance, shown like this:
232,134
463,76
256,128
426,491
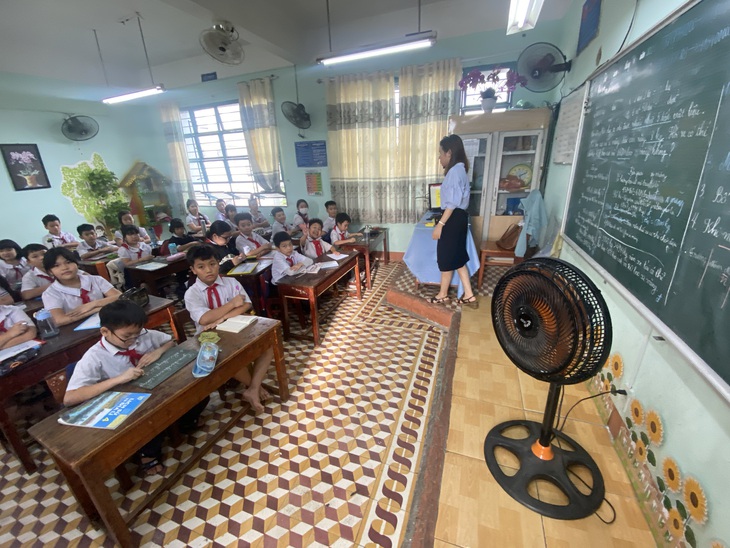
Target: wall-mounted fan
553,323
79,128
296,113
221,43
544,66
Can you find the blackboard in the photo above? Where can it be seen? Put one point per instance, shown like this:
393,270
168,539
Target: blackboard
650,200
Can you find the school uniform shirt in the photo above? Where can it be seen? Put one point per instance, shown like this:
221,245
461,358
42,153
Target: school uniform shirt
195,219
14,273
10,315
278,227
220,216
104,361
67,298
254,241
51,241
299,220
282,264
315,248
257,218
201,298
142,234
336,235
134,253
36,278
328,225
85,248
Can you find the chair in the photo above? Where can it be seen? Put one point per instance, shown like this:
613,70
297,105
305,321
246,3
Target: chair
492,255
274,305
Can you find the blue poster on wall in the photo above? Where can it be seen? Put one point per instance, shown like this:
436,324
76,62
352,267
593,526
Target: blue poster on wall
311,153
589,20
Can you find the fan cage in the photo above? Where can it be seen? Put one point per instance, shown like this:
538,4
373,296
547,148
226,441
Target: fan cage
571,337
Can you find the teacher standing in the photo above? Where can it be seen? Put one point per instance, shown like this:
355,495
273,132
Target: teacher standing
451,230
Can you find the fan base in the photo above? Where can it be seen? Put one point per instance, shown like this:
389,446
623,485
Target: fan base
578,501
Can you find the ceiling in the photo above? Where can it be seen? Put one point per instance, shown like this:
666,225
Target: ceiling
55,39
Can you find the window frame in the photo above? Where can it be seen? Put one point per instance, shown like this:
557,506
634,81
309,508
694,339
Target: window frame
465,109
202,194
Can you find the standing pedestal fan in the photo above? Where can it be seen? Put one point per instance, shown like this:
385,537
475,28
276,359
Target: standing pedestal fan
553,323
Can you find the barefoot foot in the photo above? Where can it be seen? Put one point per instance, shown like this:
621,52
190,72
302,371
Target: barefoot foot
252,397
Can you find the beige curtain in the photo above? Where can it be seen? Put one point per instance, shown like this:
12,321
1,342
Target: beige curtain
362,136
256,100
429,94
183,185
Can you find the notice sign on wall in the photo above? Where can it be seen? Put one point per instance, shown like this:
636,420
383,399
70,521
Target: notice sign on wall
314,183
311,153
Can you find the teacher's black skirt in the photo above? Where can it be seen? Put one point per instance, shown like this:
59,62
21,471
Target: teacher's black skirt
451,251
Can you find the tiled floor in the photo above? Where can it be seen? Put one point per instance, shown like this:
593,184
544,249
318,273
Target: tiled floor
474,510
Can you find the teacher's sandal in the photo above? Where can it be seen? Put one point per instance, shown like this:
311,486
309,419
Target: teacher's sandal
471,302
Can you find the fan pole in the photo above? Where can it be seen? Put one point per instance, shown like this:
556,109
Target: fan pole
548,419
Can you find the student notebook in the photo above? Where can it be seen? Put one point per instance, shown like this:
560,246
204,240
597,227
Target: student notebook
106,411
243,268
150,266
236,324
92,322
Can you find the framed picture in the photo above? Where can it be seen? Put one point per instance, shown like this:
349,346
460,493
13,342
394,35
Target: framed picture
25,166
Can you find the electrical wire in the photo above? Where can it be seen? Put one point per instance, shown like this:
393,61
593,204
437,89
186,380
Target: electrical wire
612,391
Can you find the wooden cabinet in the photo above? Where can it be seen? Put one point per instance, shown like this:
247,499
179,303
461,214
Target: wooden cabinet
506,154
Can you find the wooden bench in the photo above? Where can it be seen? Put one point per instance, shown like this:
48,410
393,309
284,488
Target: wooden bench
489,251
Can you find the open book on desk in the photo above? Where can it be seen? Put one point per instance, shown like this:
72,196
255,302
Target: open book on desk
152,265
107,410
236,324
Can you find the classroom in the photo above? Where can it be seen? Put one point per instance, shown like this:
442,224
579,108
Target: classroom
600,124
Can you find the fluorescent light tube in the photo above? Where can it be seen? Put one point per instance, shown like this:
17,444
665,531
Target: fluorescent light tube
135,95
523,15
377,51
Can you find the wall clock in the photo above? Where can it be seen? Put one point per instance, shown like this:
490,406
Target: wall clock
522,172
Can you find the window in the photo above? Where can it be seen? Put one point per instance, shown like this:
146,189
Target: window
219,160
471,101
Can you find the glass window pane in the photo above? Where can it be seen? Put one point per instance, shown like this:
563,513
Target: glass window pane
210,146
235,144
216,171
187,124
196,173
205,120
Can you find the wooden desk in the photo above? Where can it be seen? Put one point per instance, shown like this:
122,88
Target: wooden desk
32,306
310,286
151,277
255,285
54,356
366,245
88,456
96,267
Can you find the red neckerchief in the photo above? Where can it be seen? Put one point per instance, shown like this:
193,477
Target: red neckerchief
138,252
85,296
340,235
45,277
290,260
2,327
318,247
130,353
213,292
254,242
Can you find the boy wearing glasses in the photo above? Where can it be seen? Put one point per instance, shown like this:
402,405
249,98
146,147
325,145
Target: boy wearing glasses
121,355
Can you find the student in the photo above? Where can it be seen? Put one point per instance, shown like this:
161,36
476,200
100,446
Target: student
249,243
301,217
213,299
219,235
125,219
221,206
280,224
56,237
259,220
329,223
230,215
312,244
13,265
89,247
133,250
339,234
15,326
195,218
286,260
121,355
74,295
36,279
180,237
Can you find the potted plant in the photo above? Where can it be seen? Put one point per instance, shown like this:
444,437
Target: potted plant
104,188
476,79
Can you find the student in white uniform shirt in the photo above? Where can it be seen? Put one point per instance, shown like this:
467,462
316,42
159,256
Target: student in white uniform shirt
249,243
301,217
125,219
312,244
121,355
56,237
210,301
13,265
74,295
259,219
286,260
15,326
36,279
340,235
329,223
89,247
195,219
220,205
133,250
280,224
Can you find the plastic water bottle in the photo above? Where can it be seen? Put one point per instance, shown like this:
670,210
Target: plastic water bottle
173,248
47,328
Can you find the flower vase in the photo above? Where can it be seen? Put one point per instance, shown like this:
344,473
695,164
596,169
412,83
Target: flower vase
30,181
489,104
